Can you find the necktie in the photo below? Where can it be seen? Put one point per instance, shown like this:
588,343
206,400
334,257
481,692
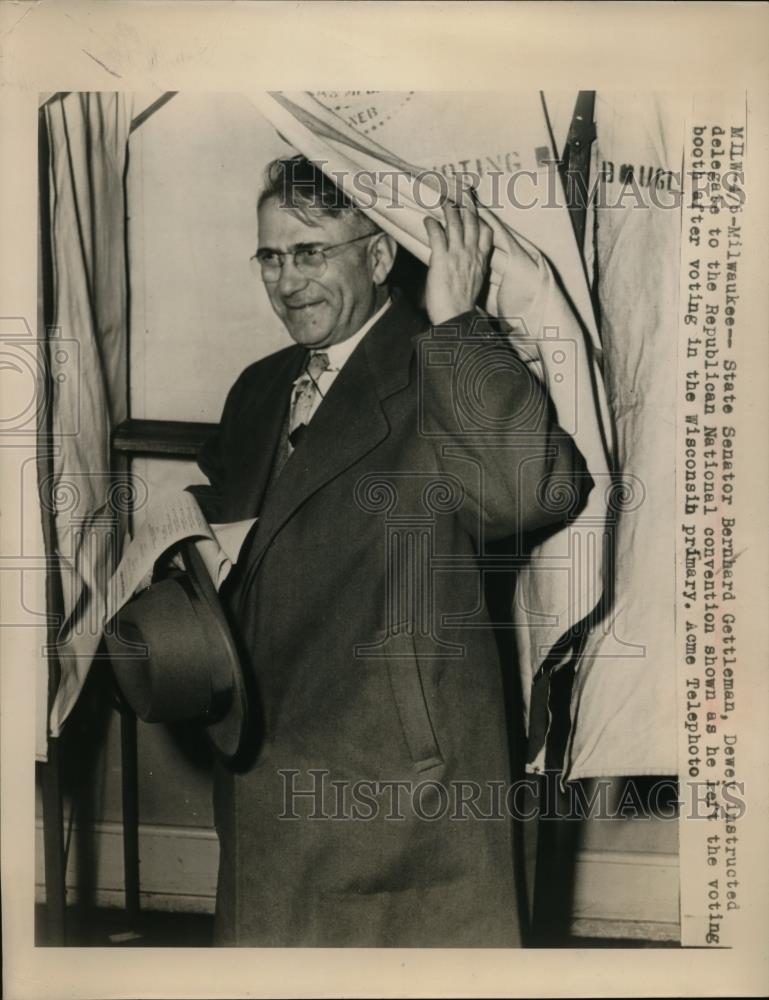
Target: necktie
305,395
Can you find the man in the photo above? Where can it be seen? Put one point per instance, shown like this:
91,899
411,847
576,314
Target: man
381,453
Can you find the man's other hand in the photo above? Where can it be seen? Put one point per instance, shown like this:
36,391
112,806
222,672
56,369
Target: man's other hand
460,250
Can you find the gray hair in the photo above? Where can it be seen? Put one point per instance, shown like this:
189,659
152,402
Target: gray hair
302,187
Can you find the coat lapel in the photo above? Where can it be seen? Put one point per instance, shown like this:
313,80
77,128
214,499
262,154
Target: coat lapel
262,424
348,424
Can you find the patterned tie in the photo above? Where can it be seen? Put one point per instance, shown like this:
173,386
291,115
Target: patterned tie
305,393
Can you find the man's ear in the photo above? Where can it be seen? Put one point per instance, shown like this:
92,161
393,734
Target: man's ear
383,250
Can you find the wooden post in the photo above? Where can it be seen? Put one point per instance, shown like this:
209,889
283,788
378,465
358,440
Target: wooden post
130,797
48,773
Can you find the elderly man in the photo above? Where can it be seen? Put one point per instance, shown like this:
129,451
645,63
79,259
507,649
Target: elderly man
381,452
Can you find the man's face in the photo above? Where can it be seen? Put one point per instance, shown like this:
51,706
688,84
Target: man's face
324,310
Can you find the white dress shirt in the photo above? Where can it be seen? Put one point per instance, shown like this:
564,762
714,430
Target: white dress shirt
337,357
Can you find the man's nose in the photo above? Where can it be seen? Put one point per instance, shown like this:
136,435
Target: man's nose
291,278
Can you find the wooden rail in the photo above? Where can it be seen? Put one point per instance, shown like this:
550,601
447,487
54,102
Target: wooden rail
166,438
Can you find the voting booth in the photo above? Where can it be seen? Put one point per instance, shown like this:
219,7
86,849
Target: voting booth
149,312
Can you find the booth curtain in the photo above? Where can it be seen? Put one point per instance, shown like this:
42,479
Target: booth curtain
87,140
597,595
625,685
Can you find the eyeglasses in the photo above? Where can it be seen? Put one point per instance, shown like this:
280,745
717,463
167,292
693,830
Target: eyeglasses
309,261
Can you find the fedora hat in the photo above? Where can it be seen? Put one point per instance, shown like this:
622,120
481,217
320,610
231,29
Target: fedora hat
174,657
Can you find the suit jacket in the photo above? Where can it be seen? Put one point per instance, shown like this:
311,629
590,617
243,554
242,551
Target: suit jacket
369,649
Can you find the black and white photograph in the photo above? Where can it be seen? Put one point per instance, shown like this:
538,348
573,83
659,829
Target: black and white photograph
373,512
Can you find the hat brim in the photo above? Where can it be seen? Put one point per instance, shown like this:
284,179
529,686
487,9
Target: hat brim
175,659
227,734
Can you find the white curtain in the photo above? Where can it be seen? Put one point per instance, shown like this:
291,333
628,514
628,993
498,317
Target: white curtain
624,699
87,137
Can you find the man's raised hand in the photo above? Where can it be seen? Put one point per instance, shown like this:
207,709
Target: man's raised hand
460,250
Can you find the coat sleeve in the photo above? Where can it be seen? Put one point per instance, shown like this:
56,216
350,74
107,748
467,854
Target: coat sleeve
483,405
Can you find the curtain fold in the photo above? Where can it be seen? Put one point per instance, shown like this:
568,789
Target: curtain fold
624,697
87,351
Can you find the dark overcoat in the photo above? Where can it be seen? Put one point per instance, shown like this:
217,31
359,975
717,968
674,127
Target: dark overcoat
374,671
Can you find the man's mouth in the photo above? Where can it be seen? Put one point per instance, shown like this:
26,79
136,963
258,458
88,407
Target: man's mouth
299,306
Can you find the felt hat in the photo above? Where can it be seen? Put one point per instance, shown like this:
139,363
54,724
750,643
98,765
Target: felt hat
174,657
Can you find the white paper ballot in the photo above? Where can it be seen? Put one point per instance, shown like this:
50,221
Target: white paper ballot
170,520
